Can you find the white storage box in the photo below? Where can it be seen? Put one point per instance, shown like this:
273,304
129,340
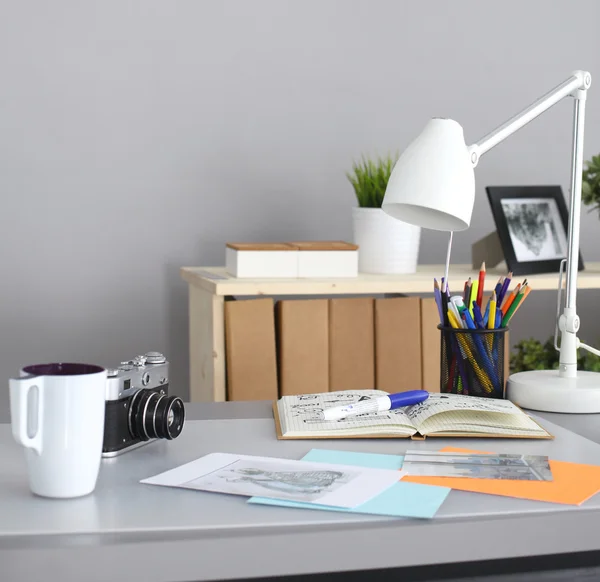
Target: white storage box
268,260
291,260
326,259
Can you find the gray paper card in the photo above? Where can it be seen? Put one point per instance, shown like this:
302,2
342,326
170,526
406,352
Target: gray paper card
477,466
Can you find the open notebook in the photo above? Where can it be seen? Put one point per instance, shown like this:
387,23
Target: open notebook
448,415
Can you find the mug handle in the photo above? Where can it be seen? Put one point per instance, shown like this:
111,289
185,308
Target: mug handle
19,411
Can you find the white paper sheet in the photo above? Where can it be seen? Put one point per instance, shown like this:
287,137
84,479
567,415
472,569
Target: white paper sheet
318,483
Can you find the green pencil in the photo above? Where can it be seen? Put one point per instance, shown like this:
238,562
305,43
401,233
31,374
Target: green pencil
513,306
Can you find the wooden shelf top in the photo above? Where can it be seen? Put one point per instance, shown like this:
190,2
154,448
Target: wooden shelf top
215,280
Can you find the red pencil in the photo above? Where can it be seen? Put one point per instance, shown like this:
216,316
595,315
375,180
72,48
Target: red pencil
481,284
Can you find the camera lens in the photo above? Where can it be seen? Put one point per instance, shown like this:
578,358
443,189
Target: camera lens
169,417
155,416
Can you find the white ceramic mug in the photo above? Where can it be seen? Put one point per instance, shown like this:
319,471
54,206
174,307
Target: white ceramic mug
57,413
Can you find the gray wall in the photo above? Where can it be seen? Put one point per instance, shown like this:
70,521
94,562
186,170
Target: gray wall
137,137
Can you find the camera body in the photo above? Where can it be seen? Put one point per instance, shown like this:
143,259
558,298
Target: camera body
138,406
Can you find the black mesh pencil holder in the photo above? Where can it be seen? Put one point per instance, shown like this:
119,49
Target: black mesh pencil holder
472,361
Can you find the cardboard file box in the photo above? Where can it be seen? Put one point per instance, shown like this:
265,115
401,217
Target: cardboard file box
351,344
327,259
398,344
269,260
250,349
303,346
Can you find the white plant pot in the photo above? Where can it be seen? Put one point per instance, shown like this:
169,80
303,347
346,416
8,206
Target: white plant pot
385,245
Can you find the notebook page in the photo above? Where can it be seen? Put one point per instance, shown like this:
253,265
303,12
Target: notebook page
437,403
481,422
299,415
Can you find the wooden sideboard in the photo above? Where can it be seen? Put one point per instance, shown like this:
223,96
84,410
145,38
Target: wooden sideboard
209,287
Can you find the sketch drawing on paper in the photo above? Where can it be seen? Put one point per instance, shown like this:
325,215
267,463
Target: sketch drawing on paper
296,481
535,229
258,478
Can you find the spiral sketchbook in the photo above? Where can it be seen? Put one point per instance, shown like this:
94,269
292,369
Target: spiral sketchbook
441,415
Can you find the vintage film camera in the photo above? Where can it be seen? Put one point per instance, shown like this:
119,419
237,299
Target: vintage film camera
138,407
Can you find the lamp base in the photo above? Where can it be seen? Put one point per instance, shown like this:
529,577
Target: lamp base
546,391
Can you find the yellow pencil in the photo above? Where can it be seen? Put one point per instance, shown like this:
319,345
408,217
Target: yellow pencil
473,297
492,314
453,321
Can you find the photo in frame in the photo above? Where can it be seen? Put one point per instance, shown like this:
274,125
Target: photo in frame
531,222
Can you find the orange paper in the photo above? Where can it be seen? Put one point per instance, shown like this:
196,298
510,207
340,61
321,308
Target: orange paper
572,485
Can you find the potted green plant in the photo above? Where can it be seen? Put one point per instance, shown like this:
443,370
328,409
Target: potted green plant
385,244
531,354
590,186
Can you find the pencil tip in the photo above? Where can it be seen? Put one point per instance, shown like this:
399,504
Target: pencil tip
482,266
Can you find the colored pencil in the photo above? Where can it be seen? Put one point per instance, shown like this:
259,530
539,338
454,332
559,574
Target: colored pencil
438,300
504,288
473,296
484,380
498,286
515,304
453,321
467,291
508,300
525,294
492,316
498,321
477,316
452,307
481,285
444,298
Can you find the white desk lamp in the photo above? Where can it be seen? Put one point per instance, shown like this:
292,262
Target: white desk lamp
433,186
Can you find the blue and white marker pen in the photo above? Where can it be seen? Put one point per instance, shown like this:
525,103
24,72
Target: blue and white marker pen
380,404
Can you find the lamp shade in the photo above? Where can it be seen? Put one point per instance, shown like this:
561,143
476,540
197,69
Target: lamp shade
432,184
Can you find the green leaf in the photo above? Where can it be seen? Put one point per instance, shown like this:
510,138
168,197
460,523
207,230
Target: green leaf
590,186
369,178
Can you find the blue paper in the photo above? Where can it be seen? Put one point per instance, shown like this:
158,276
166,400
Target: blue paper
399,500
369,460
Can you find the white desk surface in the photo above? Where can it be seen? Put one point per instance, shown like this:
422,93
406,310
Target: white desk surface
130,531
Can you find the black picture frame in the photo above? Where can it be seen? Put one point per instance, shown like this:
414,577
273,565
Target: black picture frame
518,243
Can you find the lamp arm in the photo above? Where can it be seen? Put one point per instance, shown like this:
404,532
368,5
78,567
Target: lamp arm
576,86
588,348
579,80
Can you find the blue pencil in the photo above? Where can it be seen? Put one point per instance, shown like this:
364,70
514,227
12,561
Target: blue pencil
504,288
498,287
480,345
477,315
438,300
